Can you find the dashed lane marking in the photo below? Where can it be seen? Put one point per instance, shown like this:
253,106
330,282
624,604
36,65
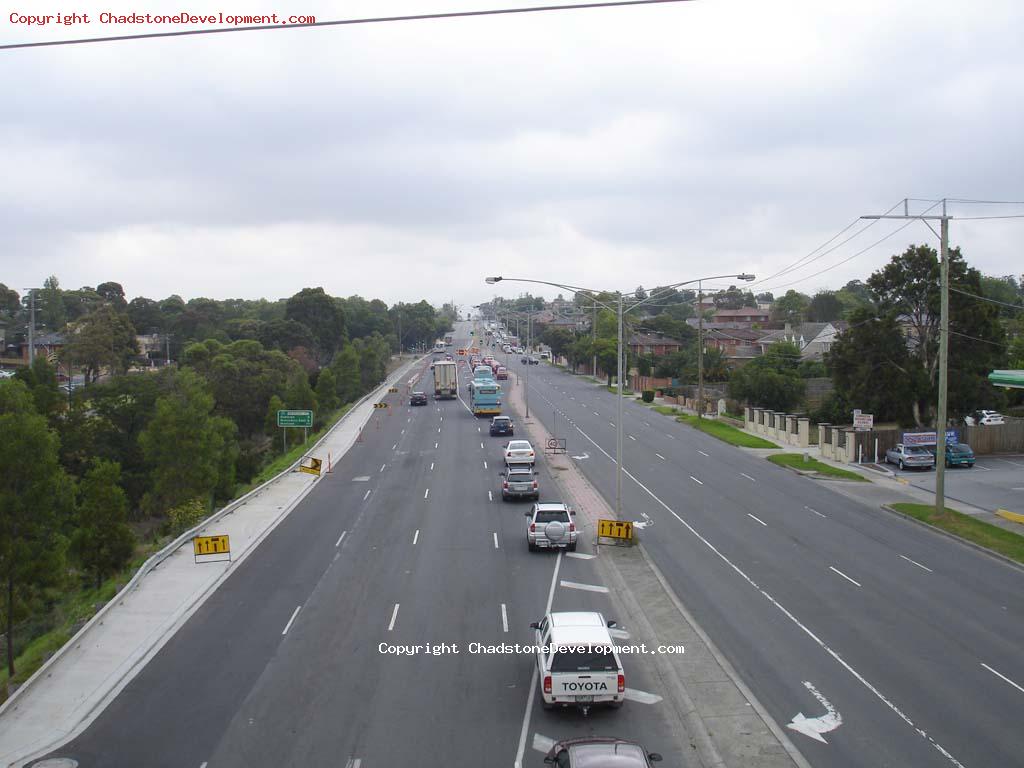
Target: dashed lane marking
762,522
924,567
394,616
832,567
584,587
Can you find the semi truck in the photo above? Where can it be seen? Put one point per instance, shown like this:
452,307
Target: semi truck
445,381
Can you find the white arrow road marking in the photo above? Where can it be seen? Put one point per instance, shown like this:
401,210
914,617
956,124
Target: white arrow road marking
580,555
584,456
587,587
815,726
542,743
642,697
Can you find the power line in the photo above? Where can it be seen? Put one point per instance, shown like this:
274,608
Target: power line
986,298
1011,216
343,22
975,338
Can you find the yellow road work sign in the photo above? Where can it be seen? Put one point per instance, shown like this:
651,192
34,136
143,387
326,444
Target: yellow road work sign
313,468
380,405
615,529
211,545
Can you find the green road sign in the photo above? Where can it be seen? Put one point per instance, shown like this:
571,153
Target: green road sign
295,418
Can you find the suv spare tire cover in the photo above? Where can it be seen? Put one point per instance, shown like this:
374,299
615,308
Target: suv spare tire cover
555,530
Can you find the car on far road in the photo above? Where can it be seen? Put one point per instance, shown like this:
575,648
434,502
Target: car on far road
519,452
519,483
524,360
551,526
597,751
533,360
502,425
502,373
959,455
448,356
545,355
909,456
418,398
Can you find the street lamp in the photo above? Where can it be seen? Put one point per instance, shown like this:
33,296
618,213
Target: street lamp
619,311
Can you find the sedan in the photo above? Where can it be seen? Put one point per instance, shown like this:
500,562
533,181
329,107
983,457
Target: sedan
599,751
418,398
519,452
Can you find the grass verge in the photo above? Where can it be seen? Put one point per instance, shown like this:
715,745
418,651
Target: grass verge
726,433
796,461
979,532
666,410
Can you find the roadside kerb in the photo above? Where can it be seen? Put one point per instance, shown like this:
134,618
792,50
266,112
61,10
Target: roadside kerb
125,671
630,571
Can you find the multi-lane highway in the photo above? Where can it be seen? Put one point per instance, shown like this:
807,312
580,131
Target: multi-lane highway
294,659
912,638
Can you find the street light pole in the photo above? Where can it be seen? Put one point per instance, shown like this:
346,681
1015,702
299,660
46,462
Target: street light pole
618,419
700,351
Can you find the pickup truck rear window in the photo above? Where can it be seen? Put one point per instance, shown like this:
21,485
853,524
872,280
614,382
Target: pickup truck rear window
584,659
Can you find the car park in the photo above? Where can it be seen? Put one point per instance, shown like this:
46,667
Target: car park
577,662
959,455
909,456
519,452
551,526
502,425
418,398
597,751
519,483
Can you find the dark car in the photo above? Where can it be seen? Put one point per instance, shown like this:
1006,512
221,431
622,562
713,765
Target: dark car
598,752
418,398
524,360
519,483
959,455
502,425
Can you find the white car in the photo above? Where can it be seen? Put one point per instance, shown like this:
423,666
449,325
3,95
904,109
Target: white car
551,526
519,452
989,418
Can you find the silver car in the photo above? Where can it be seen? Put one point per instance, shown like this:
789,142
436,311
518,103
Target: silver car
551,526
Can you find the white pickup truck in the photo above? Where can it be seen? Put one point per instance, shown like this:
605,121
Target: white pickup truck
577,661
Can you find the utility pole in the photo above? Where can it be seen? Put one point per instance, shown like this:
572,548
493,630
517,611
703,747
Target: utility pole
593,341
700,351
941,415
31,326
618,431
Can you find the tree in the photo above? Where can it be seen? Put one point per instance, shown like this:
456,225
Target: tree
35,499
41,379
104,339
345,367
1005,289
102,542
327,391
580,351
559,339
325,319
772,380
50,311
10,302
191,450
791,308
607,359
733,298
767,296
80,303
285,335
824,307
145,315
112,293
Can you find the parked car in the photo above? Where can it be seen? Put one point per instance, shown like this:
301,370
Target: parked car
909,456
519,483
502,425
987,418
519,452
578,664
959,455
551,526
418,398
545,355
598,751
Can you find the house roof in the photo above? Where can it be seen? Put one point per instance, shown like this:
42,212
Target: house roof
652,339
48,340
733,334
742,312
805,331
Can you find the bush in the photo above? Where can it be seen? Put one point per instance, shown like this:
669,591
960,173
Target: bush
186,515
648,395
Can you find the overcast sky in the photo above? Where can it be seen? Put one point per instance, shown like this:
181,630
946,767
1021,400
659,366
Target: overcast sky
607,148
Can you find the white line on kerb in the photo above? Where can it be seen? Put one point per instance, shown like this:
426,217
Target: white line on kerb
832,567
366,495
416,537
748,477
426,493
394,615
504,618
1004,677
702,452
338,542
762,522
660,457
698,482
289,624
495,540
924,567
809,509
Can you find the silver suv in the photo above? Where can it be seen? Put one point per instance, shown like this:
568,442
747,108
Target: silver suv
551,526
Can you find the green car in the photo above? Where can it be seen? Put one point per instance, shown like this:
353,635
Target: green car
959,455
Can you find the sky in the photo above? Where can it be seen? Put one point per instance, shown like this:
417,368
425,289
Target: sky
606,148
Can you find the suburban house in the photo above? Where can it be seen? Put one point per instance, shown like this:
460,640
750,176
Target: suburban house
47,345
813,339
151,346
746,316
657,344
737,344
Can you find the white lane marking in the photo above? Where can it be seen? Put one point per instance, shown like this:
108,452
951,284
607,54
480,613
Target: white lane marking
596,413
382,467
762,522
542,743
366,495
1004,677
203,764
660,457
670,437
585,587
402,432
647,424
495,539
394,615
435,445
619,634
611,423
813,727
580,555
289,624
485,465
698,482
426,493
642,697
702,452
442,418
748,477
924,567
354,762
989,469
408,420
361,479
338,542
533,679
489,497
631,437
481,445
431,466
785,611
393,447
438,429
1007,461
809,509
478,429
504,618
416,537
832,567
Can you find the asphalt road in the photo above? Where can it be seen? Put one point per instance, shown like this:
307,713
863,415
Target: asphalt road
912,638
995,482
406,543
